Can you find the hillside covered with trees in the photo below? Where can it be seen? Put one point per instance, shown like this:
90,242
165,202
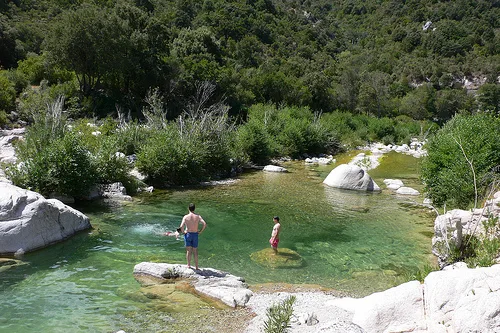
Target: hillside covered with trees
381,58
196,89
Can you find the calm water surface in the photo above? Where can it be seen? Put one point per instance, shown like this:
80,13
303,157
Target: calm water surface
351,241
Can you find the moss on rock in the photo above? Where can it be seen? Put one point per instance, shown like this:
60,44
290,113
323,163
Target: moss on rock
285,258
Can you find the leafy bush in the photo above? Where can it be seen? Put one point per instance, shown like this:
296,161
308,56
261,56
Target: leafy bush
446,172
63,166
130,138
287,131
254,143
7,93
278,316
186,152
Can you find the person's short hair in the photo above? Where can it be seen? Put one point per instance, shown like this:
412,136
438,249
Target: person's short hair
191,207
179,230
277,218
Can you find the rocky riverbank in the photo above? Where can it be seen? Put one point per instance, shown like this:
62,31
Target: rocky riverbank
456,299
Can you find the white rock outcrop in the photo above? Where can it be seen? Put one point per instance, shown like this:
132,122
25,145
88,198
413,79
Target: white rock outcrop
28,221
351,177
231,290
398,309
7,152
451,227
320,160
449,301
463,300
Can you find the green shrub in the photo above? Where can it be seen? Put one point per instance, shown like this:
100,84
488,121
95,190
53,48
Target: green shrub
7,93
131,137
421,273
447,174
63,166
254,143
287,131
166,160
278,316
3,118
110,167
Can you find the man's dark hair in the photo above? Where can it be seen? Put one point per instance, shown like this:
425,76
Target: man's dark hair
277,218
191,207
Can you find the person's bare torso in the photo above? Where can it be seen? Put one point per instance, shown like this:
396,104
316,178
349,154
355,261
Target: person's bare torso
191,221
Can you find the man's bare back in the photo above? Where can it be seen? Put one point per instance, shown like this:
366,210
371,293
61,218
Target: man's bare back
191,222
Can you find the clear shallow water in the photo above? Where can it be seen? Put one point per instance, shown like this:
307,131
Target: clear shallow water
351,241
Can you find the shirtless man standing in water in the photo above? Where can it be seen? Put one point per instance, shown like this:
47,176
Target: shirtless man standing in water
190,224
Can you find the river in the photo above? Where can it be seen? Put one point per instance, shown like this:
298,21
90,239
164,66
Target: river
354,242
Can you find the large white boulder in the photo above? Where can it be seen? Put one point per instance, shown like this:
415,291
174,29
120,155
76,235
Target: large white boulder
463,300
231,290
351,177
28,221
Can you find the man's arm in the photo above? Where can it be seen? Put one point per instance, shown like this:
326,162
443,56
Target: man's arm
183,224
202,221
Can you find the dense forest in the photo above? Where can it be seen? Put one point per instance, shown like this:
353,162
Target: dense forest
380,58
194,90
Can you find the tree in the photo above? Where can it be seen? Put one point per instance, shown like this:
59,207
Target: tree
489,98
463,141
419,104
86,41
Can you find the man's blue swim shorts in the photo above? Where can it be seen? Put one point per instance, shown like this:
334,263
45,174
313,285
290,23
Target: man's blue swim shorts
191,239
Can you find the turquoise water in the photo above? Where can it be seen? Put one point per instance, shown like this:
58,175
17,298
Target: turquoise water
351,241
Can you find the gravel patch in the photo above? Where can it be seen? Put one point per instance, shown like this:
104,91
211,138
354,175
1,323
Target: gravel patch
311,313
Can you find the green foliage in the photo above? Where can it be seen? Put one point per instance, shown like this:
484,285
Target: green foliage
254,143
197,147
421,273
479,250
7,93
354,130
278,316
272,132
63,166
489,98
447,175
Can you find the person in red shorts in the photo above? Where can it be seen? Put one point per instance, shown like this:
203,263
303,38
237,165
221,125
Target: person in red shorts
275,235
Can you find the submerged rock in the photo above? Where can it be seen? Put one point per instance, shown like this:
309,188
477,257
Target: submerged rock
6,263
285,258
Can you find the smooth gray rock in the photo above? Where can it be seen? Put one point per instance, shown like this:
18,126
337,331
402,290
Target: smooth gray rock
28,221
351,177
229,289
